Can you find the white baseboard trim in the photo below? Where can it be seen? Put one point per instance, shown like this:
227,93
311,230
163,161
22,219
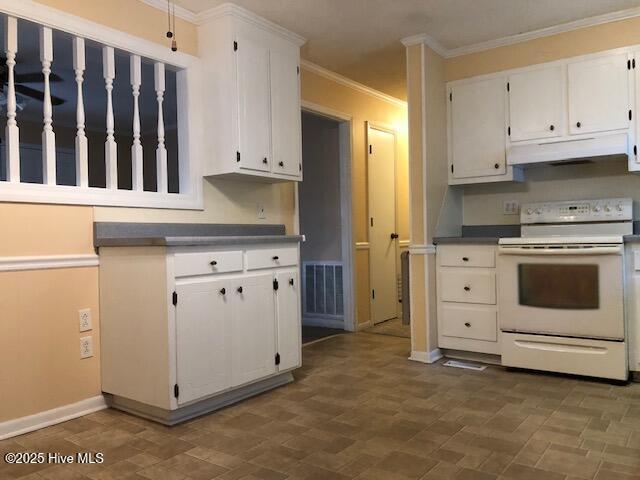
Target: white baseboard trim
426,357
323,322
363,326
43,262
19,426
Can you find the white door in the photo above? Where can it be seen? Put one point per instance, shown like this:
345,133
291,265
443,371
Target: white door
478,128
536,103
599,94
382,225
285,113
253,333
254,116
288,319
203,342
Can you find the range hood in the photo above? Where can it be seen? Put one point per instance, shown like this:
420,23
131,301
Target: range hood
568,149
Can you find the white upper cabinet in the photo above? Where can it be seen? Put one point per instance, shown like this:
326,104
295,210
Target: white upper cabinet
599,94
477,128
537,103
252,97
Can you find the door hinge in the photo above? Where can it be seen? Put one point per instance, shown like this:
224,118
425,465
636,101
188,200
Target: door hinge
276,285
373,294
237,156
450,96
508,87
452,168
298,69
372,221
176,390
175,298
509,131
300,166
370,148
630,115
277,359
235,46
635,150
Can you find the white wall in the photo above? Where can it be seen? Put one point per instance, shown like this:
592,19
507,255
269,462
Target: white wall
604,178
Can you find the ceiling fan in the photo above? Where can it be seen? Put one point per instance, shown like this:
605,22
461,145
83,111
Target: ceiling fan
21,78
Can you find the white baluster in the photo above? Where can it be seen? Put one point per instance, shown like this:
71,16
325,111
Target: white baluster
161,151
82,156
12,134
110,147
136,149
48,136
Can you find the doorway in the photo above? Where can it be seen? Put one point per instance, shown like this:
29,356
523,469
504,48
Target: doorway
324,211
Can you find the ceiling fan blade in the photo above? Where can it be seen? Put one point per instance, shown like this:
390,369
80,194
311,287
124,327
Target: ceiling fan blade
37,94
35,77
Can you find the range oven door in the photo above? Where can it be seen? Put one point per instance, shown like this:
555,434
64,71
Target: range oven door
573,291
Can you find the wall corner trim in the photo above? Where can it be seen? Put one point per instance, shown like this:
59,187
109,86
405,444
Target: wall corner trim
44,262
19,426
426,357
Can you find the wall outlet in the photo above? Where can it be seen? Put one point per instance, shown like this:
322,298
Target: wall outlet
86,347
85,319
262,214
510,207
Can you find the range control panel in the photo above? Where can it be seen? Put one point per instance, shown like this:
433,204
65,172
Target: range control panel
578,211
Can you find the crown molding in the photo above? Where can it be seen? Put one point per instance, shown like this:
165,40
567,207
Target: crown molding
181,12
336,77
520,37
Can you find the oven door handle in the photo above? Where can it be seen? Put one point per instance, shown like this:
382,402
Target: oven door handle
608,250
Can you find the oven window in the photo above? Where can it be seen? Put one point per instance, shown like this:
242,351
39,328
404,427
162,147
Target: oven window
571,287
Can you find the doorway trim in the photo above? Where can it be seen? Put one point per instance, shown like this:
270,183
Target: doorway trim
391,130
345,133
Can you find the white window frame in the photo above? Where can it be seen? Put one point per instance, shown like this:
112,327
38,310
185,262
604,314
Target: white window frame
188,86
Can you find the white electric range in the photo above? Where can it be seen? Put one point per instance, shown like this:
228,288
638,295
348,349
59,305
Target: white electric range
561,288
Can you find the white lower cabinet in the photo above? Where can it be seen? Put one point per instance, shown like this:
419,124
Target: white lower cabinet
466,308
183,326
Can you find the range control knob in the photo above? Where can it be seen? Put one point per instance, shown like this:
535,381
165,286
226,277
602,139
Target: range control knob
607,208
529,211
596,208
538,211
620,207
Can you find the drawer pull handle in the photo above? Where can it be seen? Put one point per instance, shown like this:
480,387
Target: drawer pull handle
467,288
291,282
281,164
223,291
465,259
276,258
213,263
239,289
467,324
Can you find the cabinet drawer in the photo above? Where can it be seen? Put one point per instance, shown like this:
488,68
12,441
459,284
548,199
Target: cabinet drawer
203,263
272,257
475,322
467,256
467,285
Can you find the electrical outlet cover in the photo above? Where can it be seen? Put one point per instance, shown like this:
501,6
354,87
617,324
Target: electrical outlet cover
85,319
510,207
262,214
86,347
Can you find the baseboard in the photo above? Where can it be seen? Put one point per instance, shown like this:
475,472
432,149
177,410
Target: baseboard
19,426
634,376
363,326
323,322
426,357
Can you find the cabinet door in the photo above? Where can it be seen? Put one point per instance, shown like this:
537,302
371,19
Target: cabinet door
288,319
253,330
254,117
599,94
536,103
202,339
285,114
478,130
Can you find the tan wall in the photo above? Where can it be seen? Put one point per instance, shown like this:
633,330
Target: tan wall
363,108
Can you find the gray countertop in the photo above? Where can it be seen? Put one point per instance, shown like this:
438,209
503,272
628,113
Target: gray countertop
480,235
122,234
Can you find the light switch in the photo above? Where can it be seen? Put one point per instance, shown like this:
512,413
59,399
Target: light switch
510,207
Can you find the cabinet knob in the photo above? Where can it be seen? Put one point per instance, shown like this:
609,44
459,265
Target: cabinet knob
467,288
265,161
578,124
275,258
552,128
291,282
213,263
496,165
239,289
394,236
223,291
465,259
281,164
467,324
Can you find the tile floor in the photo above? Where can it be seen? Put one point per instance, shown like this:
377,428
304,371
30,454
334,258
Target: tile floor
360,410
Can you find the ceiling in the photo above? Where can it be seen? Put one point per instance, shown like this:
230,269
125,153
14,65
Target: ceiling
360,39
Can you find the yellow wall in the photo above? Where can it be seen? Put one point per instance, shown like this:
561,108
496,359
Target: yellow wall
364,108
